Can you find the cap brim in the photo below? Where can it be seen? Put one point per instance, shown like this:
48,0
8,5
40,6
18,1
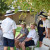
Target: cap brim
9,14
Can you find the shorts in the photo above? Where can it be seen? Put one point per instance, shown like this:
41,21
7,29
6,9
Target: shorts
8,42
21,40
29,43
41,38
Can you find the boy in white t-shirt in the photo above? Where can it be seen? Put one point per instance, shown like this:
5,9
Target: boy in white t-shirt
9,29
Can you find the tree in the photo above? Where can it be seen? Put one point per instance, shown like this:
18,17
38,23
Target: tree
3,7
36,5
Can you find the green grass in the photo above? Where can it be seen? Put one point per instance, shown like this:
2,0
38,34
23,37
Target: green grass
17,32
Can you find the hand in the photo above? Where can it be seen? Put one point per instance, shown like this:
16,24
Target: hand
46,36
43,33
17,38
49,38
23,42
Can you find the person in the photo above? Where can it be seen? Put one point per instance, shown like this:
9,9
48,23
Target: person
1,40
21,36
31,38
9,29
41,29
46,24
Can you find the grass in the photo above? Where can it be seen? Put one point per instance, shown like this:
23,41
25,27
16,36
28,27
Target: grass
17,32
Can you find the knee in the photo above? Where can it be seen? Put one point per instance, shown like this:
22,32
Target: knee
23,43
20,44
16,41
11,48
5,48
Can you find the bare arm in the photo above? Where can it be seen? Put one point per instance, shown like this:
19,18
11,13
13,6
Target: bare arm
28,39
14,31
49,32
21,36
44,32
18,35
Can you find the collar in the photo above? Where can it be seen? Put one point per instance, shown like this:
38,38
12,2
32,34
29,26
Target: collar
8,18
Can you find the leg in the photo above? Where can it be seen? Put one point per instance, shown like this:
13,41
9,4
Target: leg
5,48
11,48
17,43
20,44
5,43
40,43
23,46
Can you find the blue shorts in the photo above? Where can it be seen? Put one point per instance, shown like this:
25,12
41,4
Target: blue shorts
29,43
8,42
41,38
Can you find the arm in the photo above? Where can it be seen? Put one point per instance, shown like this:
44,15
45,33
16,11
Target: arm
18,35
28,39
49,32
21,36
14,31
44,32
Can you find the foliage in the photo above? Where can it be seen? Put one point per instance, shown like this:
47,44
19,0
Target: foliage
36,5
3,6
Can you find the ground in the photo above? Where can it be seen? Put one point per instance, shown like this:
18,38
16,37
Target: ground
17,32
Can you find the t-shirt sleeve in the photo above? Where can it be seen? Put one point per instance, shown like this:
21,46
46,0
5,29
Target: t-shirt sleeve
14,25
48,24
34,35
2,25
25,31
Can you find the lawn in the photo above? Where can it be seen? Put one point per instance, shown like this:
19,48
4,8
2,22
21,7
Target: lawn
17,32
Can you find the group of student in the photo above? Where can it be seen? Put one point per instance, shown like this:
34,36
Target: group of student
24,38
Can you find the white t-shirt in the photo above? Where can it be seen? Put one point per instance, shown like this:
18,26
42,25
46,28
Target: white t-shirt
7,26
46,24
33,34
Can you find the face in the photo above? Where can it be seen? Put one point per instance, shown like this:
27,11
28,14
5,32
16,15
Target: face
43,18
32,26
48,14
22,25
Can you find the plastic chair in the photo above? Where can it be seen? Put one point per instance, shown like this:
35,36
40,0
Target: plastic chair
32,47
46,41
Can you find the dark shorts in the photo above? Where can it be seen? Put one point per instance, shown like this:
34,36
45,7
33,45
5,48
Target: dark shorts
29,43
41,38
8,42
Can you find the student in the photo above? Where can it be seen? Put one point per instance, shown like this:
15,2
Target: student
9,28
41,29
1,40
22,35
46,24
31,39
